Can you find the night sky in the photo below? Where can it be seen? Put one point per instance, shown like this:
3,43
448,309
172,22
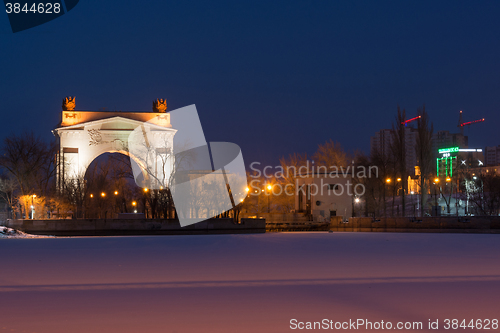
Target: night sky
275,77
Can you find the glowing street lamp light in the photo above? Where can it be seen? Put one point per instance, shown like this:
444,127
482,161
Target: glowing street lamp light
436,181
33,206
116,192
134,203
146,190
103,194
269,188
399,179
91,195
388,180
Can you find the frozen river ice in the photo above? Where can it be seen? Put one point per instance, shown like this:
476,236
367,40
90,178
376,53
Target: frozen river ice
245,283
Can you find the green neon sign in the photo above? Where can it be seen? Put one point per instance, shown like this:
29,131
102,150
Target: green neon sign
448,150
448,165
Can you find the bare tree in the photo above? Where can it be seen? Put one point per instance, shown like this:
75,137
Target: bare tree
424,154
31,162
398,147
331,154
8,187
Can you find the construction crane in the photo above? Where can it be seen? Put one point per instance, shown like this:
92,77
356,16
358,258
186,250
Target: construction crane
461,123
410,120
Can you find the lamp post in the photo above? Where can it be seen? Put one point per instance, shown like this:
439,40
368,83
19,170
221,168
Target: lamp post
398,180
436,181
33,206
269,189
413,203
144,202
481,201
448,180
356,202
387,181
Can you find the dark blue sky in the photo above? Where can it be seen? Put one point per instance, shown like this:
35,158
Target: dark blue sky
273,77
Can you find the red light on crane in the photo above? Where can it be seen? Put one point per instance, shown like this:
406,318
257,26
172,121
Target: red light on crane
410,120
472,122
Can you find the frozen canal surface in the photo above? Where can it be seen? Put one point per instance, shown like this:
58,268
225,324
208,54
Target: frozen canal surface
244,283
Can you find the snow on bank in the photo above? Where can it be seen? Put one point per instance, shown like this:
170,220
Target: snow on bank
13,233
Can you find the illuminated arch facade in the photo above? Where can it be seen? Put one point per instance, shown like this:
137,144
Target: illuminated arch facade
84,135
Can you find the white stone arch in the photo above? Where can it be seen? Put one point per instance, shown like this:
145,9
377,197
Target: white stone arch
85,135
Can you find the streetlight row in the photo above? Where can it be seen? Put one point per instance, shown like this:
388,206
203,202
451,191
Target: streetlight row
436,180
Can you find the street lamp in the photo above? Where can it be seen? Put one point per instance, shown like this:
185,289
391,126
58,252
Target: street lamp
33,206
269,188
103,194
436,181
356,201
116,192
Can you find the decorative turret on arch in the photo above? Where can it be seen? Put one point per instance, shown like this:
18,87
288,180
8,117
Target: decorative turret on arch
84,135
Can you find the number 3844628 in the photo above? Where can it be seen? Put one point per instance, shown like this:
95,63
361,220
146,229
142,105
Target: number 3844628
35,8
481,324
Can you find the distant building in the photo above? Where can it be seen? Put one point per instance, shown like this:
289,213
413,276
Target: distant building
324,196
495,169
445,139
492,156
381,142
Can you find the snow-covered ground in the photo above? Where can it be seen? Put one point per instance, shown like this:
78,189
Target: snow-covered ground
245,283
12,233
